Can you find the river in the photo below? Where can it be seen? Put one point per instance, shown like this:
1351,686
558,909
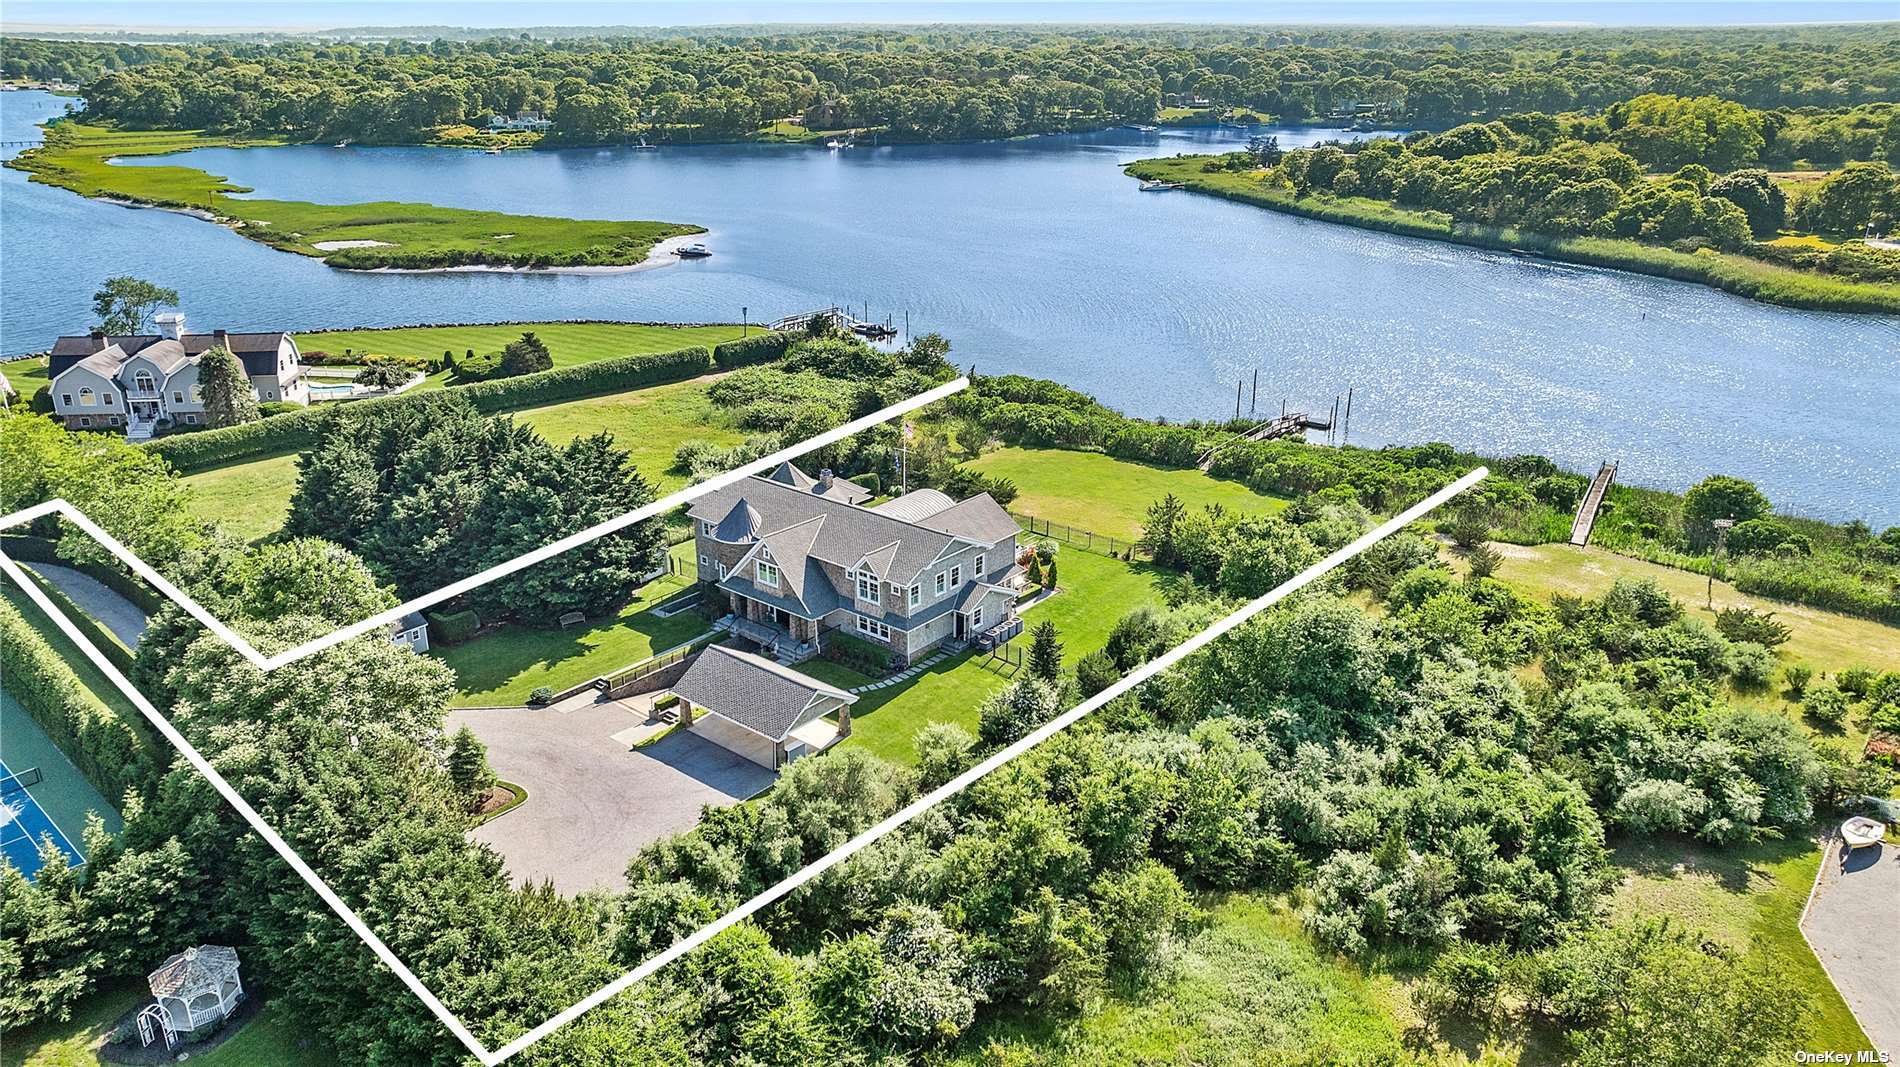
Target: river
1037,256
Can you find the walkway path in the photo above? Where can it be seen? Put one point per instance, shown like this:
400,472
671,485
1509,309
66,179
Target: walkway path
913,671
1854,925
98,600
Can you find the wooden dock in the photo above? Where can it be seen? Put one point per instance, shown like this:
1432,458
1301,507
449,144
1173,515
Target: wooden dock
1591,504
841,317
1286,425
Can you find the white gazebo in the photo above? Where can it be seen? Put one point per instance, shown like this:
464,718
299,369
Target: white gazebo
197,988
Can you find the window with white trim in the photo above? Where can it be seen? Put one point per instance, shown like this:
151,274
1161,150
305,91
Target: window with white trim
85,397
109,399
705,528
705,561
178,396
85,420
767,574
976,616
978,568
942,582
868,587
956,575
916,596
870,627
66,399
191,419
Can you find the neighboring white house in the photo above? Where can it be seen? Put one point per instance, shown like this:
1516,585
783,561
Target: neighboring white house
148,381
412,631
527,120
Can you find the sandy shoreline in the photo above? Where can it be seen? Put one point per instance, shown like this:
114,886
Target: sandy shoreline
194,212
661,255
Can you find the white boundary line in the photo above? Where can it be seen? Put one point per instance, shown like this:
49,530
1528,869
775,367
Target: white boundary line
680,948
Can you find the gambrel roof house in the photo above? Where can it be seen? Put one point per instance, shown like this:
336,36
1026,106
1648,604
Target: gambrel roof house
144,381
909,574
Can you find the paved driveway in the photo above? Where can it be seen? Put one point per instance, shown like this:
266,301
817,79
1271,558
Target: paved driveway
1855,926
593,801
98,600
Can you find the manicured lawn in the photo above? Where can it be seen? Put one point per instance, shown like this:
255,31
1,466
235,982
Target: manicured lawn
252,499
1748,898
501,669
1108,495
1096,593
79,158
570,343
25,375
272,1039
1250,988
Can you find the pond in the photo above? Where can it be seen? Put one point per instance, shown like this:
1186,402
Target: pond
1037,256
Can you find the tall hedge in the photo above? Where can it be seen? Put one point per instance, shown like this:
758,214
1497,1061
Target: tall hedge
300,430
107,749
763,347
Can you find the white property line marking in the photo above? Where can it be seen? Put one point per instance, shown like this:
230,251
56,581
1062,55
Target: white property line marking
906,814
475,581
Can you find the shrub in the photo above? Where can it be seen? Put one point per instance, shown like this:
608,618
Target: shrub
1798,675
452,628
1825,703
869,480
278,407
42,402
526,354
541,695
482,368
763,347
107,748
1747,624
1751,665
1096,672
1856,682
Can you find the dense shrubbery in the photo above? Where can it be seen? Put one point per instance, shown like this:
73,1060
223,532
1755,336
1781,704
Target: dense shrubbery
110,750
762,347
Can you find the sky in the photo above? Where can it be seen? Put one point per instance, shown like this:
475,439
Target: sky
292,15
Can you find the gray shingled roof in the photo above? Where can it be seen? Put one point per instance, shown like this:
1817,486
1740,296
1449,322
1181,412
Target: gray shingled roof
840,489
258,351
741,524
846,534
763,696
979,518
194,971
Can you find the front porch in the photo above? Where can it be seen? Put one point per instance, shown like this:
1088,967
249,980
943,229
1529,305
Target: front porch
775,632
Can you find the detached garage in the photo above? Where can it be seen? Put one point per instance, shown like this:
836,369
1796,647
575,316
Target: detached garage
758,708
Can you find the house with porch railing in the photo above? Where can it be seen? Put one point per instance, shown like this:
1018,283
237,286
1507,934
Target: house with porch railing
797,558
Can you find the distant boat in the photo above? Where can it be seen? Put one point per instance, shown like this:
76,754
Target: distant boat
343,144
643,146
495,150
1139,128
1161,187
834,143
693,251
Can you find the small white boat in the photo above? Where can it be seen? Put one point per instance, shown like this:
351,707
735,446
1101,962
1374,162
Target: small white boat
1161,187
342,144
1860,831
834,143
643,146
692,251
494,150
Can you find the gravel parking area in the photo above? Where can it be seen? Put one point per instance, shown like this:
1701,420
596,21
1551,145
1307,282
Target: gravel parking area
1854,924
593,801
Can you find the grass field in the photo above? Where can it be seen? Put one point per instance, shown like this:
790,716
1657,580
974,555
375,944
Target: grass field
1251,988
501,669
1108,495
272,1039
1749,898
252,499
79,158
1096,593
570,343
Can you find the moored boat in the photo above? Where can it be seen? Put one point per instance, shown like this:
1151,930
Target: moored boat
692,251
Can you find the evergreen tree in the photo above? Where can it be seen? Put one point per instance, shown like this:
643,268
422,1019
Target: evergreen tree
1158,533
228,398
468,763
1045,652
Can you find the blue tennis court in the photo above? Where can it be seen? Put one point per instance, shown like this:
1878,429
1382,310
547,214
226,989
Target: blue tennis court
23,823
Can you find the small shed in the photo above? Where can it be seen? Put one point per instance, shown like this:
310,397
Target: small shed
194,990
411,631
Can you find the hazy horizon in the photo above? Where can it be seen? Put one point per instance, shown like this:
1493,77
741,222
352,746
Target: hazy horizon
304,16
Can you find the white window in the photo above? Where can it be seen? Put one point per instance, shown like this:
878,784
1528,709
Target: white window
722,568
85,397
942,583
916,595
705,561
956,576
143,382
976,615
868,587
705,528
85,420
978,569
768,574
109,399
191,418
870,627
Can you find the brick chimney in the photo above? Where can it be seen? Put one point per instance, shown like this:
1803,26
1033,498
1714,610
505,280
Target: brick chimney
221,339
98,340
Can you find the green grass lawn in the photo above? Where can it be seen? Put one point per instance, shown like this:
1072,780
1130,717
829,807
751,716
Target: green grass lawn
79,158
1251,988
570,343
1096,593
26,375
252,499
272,1039
1108,495
1749,898
501,669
